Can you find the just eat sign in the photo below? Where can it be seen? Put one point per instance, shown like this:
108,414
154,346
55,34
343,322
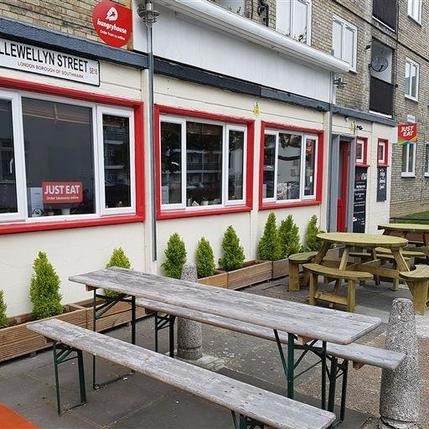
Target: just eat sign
407,133
62,192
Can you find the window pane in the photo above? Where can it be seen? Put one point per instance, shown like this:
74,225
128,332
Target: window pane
359,151
381,153
349,43
414,80
404,158
269,165
427,158
283,17
300,20
336,39
407,78
171,163
204,164
8,201
59,158
289,167
411,157
235,165
117,180
310,166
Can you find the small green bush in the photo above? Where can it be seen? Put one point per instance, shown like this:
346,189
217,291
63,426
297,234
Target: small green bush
269,245
118,259
175,256
289,237
3,308
311,242
45,289
233,252
205,259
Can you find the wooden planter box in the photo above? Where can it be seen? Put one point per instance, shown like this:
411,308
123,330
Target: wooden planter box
252,272
280,268
17,340
220,279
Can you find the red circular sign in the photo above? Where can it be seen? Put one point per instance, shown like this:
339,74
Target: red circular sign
112,22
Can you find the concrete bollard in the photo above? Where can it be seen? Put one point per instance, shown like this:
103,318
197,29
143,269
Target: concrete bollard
189,334
400,389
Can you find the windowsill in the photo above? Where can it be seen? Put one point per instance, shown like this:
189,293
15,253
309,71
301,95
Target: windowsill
383,24
358,164
409,97
408,175
383,165
383,115
419,23
18,227
189,212
426,174
286,204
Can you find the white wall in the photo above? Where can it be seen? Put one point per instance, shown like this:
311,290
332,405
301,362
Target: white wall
177,38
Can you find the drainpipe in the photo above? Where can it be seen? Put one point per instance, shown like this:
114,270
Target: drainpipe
330,113
264,8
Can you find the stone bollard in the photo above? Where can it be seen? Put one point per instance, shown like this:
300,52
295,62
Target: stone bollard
189,334
400,389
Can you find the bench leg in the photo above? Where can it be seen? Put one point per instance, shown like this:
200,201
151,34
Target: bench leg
162,322
351,295
293,277
419,291
313,288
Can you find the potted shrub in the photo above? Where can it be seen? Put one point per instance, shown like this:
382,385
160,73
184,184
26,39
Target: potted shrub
118,259
241,274
205,263
3,308
15,339
175,257
289,243
311,242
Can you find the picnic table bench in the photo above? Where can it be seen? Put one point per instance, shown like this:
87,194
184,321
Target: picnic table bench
252,404
359,354
418,282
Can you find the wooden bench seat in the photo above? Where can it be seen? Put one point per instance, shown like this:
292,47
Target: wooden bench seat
405,253
295,261
418,281
265,407
352,277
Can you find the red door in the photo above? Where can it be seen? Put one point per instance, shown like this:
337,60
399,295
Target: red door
343,174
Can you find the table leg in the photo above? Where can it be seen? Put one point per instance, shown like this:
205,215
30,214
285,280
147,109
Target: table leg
322,252
401,264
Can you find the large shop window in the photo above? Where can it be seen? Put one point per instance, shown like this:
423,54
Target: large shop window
203,163
290,167
63,159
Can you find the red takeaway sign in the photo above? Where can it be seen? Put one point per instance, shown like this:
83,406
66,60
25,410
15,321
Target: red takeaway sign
407,133
112,22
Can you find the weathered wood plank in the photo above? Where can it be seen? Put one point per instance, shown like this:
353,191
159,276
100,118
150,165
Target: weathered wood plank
363,240
266,407
301,319
337,273
374,356
420,273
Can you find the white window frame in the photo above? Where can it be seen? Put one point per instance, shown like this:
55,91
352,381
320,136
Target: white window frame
98,165
344,24
292,13
384,145
413,172
411,10
182,120
304,137
360,141
410,63
426,160
123,113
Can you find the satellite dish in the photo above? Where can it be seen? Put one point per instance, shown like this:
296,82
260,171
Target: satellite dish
379,64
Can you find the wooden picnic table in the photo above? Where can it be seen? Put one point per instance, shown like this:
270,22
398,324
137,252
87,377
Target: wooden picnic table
301,321
407,229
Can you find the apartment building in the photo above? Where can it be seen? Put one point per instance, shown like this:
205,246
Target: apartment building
245,122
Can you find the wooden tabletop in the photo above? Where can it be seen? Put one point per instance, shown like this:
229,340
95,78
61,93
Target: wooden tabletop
300,319
363,240
408,227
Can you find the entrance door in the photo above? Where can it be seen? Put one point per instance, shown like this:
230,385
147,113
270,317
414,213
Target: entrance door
343,174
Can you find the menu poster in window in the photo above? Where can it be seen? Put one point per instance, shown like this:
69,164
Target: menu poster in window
359,203
381,183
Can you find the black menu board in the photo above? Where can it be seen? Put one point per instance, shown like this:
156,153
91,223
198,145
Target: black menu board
381,183
359,201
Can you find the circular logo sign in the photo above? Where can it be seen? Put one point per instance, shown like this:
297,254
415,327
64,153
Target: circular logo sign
112,22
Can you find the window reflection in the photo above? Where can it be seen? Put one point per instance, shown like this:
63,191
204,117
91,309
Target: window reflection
289,167
269,165
235,165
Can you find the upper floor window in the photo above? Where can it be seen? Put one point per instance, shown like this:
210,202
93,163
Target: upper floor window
203,163
236,6
290,166
64,159
411,79
427,160
344,41
408,160
293,18
386,12
361,151
415,10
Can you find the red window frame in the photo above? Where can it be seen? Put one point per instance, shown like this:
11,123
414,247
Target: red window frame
73,94
319,162
189,212
385,143
364,162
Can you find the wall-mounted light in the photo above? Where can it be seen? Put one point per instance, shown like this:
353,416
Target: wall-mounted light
147,13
